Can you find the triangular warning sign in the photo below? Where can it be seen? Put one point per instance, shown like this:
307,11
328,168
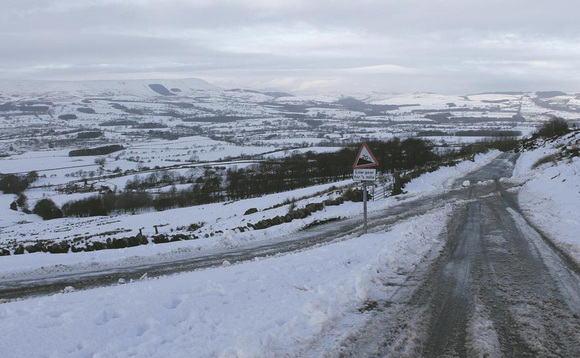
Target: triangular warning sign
365,158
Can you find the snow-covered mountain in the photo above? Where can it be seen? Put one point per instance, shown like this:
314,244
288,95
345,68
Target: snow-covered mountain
145,88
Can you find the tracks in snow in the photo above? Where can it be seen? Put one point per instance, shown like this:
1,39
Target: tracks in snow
499,289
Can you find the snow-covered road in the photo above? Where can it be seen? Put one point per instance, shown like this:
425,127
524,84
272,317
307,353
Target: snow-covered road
499,290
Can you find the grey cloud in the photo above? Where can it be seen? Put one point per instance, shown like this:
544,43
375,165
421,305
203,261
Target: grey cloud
444,46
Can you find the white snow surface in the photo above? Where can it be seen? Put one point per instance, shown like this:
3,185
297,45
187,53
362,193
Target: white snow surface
442,178
265,308
550,195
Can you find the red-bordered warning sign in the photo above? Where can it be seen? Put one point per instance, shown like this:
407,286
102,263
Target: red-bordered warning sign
365,158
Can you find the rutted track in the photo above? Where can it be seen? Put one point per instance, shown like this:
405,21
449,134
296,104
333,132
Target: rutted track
498,290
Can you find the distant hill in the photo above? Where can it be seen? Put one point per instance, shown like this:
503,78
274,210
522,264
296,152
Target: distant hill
145,88
550,94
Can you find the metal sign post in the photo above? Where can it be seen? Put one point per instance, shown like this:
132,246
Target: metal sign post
365,204
361,172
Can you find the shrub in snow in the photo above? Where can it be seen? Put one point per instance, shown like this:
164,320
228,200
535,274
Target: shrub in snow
547,159
160,239
313,207
355,195
120,243
195,226
59,248
47,209
251,211
552,128
334,202
300,213
96,246
13,184
292,207
22,201
37,247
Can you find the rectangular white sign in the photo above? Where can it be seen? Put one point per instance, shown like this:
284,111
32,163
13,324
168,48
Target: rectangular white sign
364,174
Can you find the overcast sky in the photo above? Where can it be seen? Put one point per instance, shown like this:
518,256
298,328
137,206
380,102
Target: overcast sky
445,46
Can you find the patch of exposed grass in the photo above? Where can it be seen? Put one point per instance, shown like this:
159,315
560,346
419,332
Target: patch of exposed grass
547,159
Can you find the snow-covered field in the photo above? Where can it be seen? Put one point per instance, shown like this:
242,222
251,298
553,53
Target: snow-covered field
58,163
41,115
219,217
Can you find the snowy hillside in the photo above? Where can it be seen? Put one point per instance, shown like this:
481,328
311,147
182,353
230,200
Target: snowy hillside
128,111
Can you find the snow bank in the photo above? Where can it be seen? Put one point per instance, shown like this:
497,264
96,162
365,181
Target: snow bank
526,160
265,308
441,179
550,193
551,200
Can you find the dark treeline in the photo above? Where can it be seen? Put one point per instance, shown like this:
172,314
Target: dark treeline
126,202
207,189
310,168
108,149
268,177
470,133
156,179
15,184
89,135
554,127
505,144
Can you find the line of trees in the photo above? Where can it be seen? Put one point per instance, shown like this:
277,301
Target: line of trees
158,179
239,183
310,168
207,189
